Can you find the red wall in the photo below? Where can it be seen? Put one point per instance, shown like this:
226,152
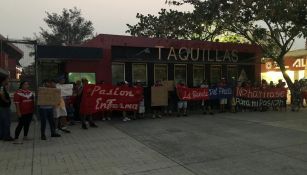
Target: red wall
9,66
102,68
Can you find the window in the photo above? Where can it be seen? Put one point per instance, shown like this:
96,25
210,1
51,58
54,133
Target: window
198,74
180,73
139,72
118,73
75,76
161,72
215,74
232,73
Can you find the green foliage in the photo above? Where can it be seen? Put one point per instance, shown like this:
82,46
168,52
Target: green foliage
272,24
174,24
67,28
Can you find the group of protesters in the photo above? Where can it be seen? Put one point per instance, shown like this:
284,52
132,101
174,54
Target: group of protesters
67,112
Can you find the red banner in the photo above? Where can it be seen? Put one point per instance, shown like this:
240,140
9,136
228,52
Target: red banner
97,98
190,94
269,93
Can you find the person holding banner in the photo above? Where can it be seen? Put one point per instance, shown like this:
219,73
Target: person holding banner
141,110
125,117
84,117
5,111
24,101
223,101
46,114
182,104
77,94
206,106
296,97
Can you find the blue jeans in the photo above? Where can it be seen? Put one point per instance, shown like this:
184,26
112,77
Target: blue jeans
5,123
46,114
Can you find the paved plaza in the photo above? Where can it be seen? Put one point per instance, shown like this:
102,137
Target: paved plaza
250,143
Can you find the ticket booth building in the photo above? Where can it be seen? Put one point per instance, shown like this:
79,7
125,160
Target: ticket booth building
127,58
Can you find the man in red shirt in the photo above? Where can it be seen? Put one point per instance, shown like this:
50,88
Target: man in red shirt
23,99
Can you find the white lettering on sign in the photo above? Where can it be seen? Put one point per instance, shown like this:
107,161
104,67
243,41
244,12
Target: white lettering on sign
299,63
115,92
193,54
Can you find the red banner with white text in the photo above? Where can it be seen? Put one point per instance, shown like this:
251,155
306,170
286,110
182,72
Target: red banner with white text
190,94
97,98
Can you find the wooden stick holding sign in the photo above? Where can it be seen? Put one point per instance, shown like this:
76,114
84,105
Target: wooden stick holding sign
49,96
159,96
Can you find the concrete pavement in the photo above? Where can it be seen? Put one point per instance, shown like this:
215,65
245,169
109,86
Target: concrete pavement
270,143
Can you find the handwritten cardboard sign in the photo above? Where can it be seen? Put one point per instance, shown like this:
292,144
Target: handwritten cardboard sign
49,96
159,96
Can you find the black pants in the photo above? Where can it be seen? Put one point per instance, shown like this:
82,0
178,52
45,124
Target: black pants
46,115
23,122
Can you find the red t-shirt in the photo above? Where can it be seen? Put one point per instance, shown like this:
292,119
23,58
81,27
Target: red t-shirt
25,100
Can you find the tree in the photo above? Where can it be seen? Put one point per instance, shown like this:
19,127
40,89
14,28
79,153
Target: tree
269,24
174,24
67,28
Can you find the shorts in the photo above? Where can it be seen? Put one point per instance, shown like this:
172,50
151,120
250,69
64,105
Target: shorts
59,112
182,104
141,107
223,101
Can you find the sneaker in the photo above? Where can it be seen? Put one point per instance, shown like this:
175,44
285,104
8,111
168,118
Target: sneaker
185,115
71,123
159,116
125,119
93,125
109,118
65,130
84,126
103,119
43,137
25,138
9,139
18,142
154,116
55,135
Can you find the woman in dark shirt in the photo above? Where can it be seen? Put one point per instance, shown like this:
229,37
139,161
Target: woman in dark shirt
5,112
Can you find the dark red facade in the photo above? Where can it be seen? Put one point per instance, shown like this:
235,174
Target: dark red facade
9,57
250,54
